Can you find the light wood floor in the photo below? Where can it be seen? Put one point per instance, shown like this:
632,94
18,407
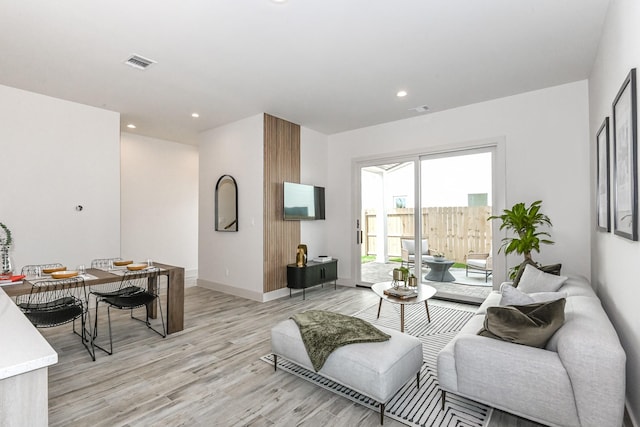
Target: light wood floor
207,375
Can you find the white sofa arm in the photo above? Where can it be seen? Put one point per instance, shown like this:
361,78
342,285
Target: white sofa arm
514,377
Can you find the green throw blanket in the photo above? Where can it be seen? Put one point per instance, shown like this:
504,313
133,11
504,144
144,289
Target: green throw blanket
324,331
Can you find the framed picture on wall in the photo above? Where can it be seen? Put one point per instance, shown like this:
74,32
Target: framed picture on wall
625,165
603,201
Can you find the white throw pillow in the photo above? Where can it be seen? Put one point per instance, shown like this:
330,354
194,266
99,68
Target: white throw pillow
534,280
514,296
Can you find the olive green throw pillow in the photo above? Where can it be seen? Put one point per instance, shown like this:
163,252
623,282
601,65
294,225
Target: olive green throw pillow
531,324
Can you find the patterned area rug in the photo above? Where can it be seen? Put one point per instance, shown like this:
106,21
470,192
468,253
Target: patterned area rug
423,408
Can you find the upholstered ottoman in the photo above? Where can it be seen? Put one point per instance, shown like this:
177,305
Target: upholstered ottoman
377,370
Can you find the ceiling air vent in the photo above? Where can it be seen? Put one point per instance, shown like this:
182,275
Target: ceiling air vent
420,109
139,62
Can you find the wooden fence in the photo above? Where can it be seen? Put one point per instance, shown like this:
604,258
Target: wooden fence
456,231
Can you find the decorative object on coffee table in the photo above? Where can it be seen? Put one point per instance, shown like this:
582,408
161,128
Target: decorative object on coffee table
400,276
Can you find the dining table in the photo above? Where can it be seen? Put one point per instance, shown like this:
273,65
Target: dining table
96,276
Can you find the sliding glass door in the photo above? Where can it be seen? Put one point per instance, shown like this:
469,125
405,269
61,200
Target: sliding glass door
386,217
420,210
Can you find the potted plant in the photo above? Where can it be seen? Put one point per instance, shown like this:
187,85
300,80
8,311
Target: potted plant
412,281
400,275
524,222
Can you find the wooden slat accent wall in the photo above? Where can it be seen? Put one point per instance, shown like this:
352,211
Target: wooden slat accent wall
281,163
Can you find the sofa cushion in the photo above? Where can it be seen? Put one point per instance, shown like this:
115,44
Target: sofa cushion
514,296
520,271
531,324
410,246
551,269
534,280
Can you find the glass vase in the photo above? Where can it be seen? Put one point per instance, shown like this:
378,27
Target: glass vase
6,268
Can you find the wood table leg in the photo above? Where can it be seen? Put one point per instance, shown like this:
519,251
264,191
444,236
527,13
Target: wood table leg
426,304
401,317
379,307
153,284
175,300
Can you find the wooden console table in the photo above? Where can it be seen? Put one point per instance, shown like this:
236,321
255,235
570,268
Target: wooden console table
314,273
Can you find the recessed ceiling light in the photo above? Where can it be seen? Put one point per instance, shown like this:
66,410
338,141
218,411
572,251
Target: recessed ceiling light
195,115
131,126
279,1
401,94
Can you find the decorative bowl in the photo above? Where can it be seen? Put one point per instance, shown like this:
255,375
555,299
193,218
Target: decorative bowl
67,274
53,269
121,263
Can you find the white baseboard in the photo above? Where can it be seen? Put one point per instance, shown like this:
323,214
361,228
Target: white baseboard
253,295
243,293
190,278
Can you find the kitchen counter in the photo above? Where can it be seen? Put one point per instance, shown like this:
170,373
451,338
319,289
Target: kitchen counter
24,362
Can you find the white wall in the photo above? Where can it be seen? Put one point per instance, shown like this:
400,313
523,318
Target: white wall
547,158
313,171
57,155
232,262
159,196
614,259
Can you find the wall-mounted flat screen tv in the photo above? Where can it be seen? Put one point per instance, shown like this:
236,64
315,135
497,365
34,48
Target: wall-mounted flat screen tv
303,202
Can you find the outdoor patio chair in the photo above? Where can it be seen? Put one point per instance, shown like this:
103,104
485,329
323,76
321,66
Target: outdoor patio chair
409,251
481,263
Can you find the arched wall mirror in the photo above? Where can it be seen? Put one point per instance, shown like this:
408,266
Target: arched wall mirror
226,204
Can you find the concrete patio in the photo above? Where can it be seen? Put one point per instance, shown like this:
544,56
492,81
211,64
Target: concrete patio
472,289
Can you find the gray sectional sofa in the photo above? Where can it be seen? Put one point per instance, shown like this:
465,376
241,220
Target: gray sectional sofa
578,379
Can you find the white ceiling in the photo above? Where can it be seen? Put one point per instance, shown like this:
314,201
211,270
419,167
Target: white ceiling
329,65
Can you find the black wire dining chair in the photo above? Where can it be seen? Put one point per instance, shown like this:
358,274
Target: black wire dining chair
35,269
104,263
136,289
54,302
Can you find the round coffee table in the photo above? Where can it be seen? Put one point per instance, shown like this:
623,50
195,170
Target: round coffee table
439,271
424,293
